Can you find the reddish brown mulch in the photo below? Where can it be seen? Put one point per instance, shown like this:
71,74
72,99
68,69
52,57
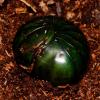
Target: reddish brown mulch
17,85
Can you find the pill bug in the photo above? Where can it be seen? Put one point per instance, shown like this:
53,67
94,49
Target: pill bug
56,50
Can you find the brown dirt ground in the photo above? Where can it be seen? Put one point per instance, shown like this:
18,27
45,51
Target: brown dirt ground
17,85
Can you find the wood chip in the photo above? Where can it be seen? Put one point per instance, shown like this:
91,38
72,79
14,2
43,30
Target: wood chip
1,2
9,66
70,15
50,2
0,40
20,10
1,57
93,56
66,1
43,6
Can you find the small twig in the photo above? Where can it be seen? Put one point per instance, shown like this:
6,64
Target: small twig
58,9
29,5
9,55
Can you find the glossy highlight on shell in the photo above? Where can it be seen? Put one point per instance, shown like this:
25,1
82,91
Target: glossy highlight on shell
56,50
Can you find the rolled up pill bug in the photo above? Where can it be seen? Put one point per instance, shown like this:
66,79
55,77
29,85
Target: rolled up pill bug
56,50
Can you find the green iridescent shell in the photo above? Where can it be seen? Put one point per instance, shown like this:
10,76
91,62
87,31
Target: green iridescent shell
55,48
